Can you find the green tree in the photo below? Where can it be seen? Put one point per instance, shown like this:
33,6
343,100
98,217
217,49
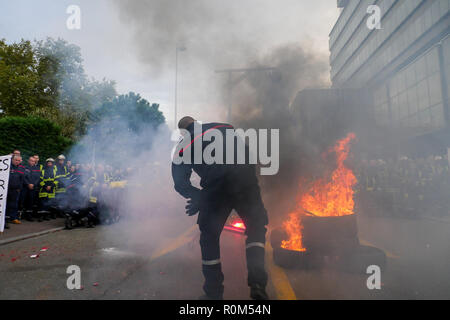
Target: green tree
32,135
124,126
76,96
132,110
21,87
47,80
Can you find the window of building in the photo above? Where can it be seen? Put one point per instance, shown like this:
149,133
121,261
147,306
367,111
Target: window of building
416,93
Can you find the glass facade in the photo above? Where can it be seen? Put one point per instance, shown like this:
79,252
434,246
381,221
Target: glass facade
413,97
368,51
343,22
355,33
412,93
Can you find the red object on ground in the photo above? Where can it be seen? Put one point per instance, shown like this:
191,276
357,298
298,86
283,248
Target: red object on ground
236,226
95,284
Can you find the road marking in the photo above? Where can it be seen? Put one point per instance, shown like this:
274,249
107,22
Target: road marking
388,253
280,281
278,277
174,244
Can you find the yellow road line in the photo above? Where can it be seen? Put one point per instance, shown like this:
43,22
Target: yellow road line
388,253
280,281
278,277
174,244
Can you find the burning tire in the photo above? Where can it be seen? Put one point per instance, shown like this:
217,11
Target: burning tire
354,259
291,259
330,235
360,259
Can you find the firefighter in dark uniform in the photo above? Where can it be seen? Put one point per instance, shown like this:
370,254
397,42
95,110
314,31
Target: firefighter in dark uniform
98,185
224,188
61,174
75,190
31,189
47,190
16,180
23,169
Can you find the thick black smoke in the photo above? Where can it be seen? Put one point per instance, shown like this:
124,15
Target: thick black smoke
230,34
218,35
264,100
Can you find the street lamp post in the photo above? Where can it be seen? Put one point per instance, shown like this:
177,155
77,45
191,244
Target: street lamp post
177,49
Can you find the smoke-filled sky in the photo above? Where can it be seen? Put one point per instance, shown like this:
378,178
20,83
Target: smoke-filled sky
133,42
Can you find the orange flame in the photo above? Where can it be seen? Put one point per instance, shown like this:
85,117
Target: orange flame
293,228
326,197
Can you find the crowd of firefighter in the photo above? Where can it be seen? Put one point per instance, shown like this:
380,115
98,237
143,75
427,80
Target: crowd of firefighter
404,187
88,194
83,194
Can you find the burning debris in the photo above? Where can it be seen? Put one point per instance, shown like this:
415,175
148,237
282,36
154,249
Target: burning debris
235,224
324,222
325,198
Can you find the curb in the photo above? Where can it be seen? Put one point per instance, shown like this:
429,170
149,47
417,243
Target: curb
30,235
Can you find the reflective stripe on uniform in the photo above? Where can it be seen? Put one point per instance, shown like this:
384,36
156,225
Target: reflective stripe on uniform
46,195
210,262
255,244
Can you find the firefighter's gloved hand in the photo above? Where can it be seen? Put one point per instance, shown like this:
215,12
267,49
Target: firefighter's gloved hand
192,207
194,204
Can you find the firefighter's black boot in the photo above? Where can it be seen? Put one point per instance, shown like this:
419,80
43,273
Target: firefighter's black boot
53,212
27,215
258,292
213,285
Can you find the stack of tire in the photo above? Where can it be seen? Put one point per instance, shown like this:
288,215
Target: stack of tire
330,242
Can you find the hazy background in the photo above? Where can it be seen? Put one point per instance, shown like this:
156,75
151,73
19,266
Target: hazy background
133,42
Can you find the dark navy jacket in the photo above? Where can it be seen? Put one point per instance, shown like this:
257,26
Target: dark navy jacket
33,175
16,177
215,178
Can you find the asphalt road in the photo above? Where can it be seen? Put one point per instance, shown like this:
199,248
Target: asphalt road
160,259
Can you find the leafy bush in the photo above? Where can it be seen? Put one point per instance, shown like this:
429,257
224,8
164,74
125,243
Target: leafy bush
32,135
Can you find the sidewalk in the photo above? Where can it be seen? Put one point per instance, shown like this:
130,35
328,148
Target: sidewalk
29,230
